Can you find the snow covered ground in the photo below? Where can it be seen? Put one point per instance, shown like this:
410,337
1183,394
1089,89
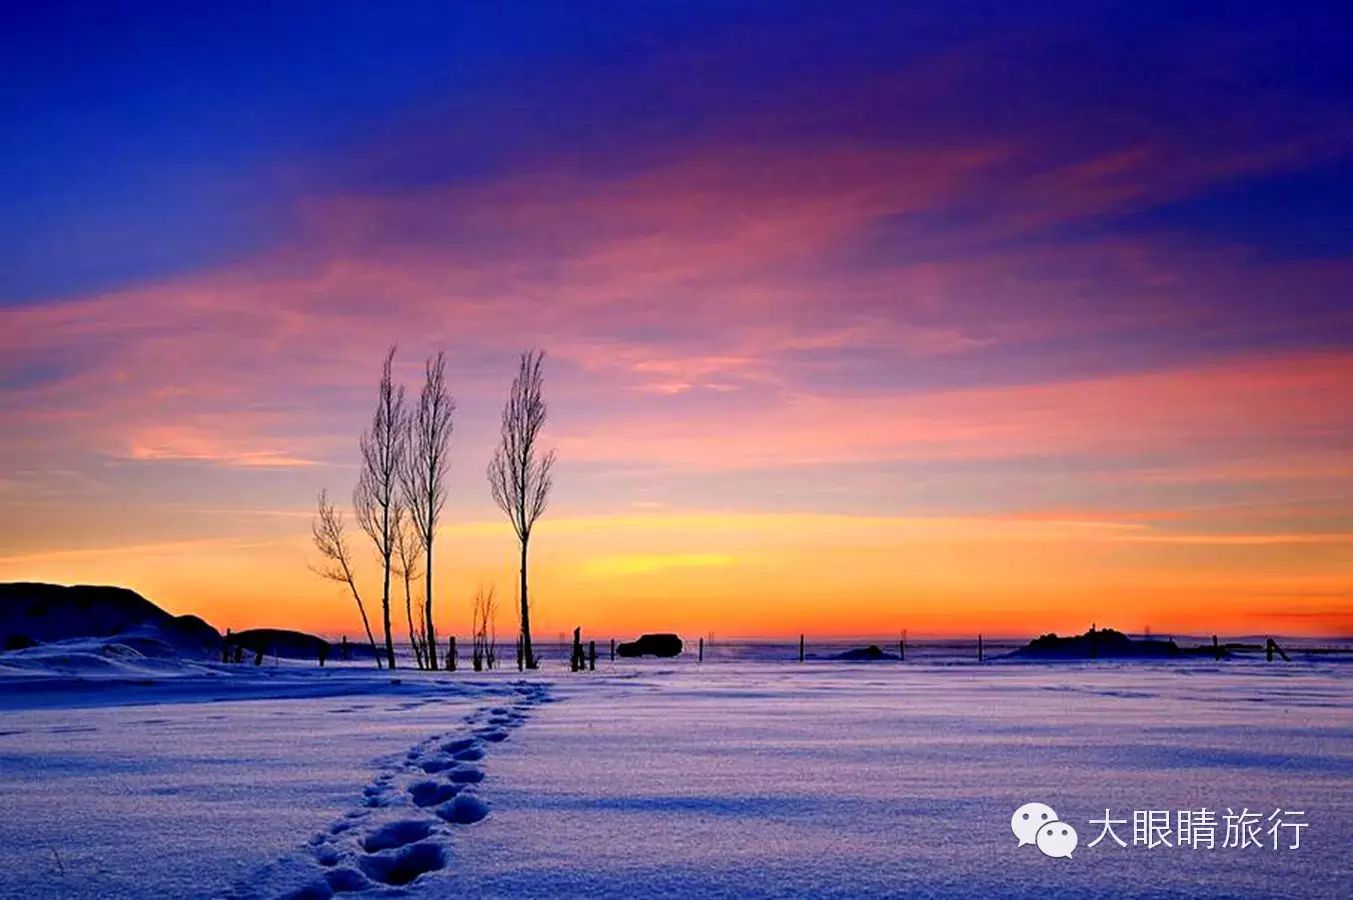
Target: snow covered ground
735,778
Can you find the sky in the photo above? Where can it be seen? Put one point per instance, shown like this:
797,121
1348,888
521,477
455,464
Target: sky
999,317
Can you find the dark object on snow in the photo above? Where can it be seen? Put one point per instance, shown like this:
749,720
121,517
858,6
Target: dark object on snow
664,645
591,656
284,643
865,654
576,660
1101,643
23,642
52,612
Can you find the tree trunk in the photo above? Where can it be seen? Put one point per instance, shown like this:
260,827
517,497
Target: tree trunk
408,614
527,652
385,611
365,624
430,637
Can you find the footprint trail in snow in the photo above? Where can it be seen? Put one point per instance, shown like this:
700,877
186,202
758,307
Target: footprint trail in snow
409,812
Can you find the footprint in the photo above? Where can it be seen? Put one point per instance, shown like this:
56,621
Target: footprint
315,890
466,774
439,763
459,744
401,866
465,809
328,855
493,735
397,834
344,880
469,754
431,793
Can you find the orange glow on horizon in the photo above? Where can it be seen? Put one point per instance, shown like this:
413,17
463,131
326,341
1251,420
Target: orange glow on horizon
763,575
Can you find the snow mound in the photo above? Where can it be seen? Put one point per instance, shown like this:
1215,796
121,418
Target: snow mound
141,653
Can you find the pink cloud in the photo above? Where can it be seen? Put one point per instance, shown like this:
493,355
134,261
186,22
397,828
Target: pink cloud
1290,399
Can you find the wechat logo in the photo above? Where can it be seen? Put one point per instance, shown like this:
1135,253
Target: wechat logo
1037,824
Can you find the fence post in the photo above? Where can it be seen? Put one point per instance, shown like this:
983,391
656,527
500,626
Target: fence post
979,648
591,656
612,649
450,653
702,651
1216,648
800,648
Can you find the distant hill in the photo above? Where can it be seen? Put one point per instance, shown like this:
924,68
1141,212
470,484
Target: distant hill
33,613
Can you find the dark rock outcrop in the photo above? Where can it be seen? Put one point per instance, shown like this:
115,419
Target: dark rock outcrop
663,645
284,643
1097,643
865,654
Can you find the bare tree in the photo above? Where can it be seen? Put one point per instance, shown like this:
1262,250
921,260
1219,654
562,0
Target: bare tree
491,638
423,476
376,498
420,629
408,557
485,631
519,474
331,541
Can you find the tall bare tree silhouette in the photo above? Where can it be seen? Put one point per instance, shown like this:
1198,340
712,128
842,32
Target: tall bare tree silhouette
520,474
331,541
423,477
376,498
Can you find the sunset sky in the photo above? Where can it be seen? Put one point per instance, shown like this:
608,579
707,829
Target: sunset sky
858,317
